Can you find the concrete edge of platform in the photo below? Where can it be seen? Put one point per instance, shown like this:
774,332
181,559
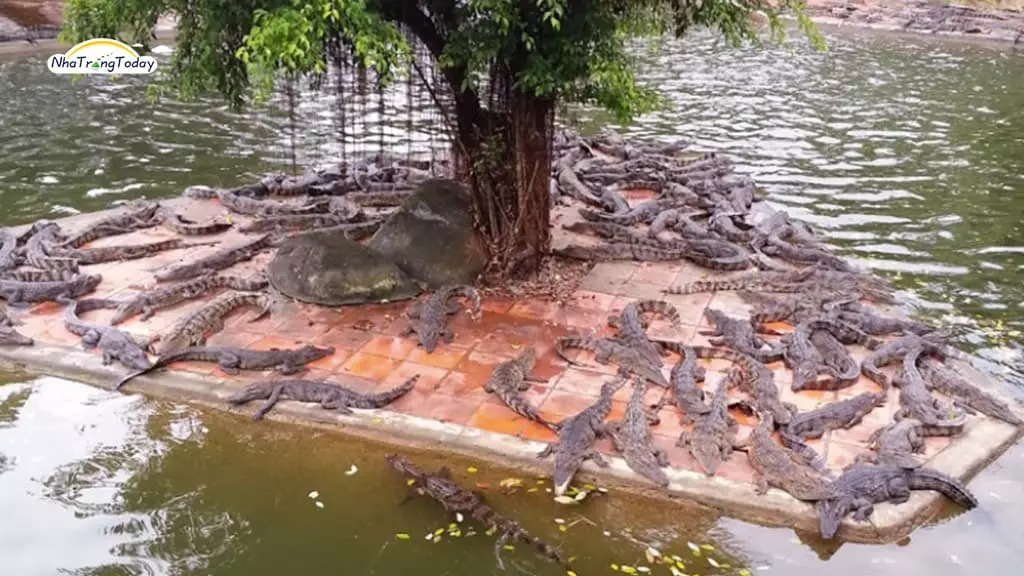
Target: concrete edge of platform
981,443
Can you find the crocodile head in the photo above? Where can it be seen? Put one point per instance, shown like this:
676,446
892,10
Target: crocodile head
831,513
429,337
707,455
257,391
84,284
134,358
566,465
310,353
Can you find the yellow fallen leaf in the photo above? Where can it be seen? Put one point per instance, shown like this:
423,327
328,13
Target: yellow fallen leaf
471,470
570,573
744,572
615,567
708,547
402,536
439,531
509,547
562,528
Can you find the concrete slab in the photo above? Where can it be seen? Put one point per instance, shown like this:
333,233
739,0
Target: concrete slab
449,411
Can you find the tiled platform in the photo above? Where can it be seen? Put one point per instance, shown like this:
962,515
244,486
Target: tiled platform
449,410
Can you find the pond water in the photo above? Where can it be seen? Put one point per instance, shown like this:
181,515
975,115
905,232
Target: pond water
908,153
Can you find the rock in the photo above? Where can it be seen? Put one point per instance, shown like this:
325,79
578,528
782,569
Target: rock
331,270
431,236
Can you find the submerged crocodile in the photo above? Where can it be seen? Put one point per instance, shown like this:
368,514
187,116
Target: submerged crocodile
330,396
146,303
115,344
632,438
713,438
860,487
231,360
428,318
512,377
459,501
577,435
608,350
192,329
223,258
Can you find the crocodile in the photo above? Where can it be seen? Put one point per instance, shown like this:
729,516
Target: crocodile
965,395
834,355
683,382
756,379
631,327
231,360
461,502
33,275
713,438
833,416
11,337
861,486
917,402
192,329
608,350
779,467
739,335
115,344
512,377
576,437
674,219
790,281
329,395
896,444
622,251
180,225
118,253
631,436
146,303
876,325
803,255
428,318
894,350
37,249
136,215
301,221
19,293
251,207
793,308
223,258
8,250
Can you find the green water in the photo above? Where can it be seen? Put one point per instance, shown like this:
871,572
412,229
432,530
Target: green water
909,154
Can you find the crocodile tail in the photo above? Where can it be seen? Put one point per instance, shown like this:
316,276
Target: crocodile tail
566,342
465,291
165,359
244,284
720,353
520,406
387,397
660,307
929,479
803,450
511,530
200,192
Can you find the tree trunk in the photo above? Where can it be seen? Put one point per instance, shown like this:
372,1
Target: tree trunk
507,160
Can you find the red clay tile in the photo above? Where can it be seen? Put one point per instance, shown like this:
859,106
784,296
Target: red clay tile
497,305
690,306
560,405
935,444
389,347
660,274
535,309
197,367
442,357
417,403
670,422
452,410
462,385
369,366
248,340
583,383
606,446
429,381
535,431
592,301
494,418
841,454
678,456
343,338
579,318
59,335
736,468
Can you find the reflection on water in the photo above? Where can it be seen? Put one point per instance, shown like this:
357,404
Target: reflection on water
103,483
908,154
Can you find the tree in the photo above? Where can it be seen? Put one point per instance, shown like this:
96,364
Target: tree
536,53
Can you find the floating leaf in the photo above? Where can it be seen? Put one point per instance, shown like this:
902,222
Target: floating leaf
570,573
458,517
402,536
675,572
562,528
541,481
410,481
532,490
511,483
314,495
680,565
564,500
471,470
430,536
559,520
319,504
439,531
643,569
579,497
490,531
607,533
713,562
629,570
744,572
483,485
589,487
452,527
652,551
694,548
351,470
602,490
708,547
615,567
509,547
677,557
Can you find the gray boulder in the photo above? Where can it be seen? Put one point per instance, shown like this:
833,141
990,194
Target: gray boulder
331,270
431,236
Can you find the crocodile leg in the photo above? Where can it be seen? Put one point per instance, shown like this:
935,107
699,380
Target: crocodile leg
288,368
863,507
684,439
90,339
275,396
547,451
596,457
447,335
661,457
898,490
229,362
147,313
108,358
761,482
335,404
